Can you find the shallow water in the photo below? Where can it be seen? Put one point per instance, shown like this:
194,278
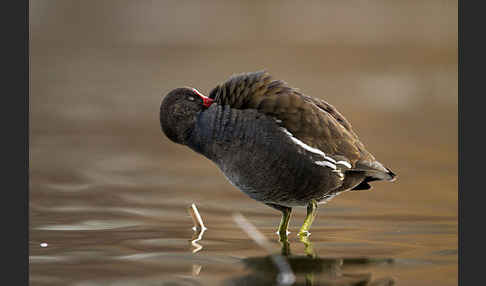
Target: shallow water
109,193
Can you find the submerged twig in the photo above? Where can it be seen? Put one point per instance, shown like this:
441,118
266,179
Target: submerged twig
198,227
286,276
196,218
198,236
196,269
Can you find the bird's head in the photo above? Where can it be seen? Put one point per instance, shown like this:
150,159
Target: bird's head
178,112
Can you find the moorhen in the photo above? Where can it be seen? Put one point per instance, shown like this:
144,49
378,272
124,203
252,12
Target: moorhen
277,145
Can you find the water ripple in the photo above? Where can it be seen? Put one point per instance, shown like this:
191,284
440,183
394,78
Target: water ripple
90,225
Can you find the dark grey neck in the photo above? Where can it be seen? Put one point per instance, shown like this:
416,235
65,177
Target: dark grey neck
220,128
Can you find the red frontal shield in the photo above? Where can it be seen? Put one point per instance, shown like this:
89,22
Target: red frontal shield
206,100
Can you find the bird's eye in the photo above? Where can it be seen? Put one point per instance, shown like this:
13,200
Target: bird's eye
191,98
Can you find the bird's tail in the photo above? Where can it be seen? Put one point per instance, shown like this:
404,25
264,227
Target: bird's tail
372,171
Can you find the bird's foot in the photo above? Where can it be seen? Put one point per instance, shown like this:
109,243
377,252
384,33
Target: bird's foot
304,238
283,235
303,233
284,241
282,232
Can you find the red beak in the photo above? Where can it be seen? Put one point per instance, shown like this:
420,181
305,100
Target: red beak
206,100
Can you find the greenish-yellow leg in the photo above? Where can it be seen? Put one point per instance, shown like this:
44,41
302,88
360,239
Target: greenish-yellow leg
308,249
282,228
284,222
282,231
304,230
309,218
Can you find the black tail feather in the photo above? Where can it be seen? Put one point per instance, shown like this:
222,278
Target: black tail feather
373,176
362,186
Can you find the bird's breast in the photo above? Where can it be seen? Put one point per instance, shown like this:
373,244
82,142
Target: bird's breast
260,158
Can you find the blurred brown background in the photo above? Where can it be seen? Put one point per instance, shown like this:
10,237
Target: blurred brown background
100,68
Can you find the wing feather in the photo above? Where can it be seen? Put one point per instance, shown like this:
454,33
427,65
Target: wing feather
311,120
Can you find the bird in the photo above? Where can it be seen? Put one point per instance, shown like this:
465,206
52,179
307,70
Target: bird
277,145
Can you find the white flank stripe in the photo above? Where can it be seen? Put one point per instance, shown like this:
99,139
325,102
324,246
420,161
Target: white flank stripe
315,151
326,164
330,159
344,163
305,146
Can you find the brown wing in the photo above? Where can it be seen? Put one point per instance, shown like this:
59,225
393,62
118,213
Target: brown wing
312,121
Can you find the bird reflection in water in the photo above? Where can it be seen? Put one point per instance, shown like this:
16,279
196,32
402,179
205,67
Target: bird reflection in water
310,271
288,269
